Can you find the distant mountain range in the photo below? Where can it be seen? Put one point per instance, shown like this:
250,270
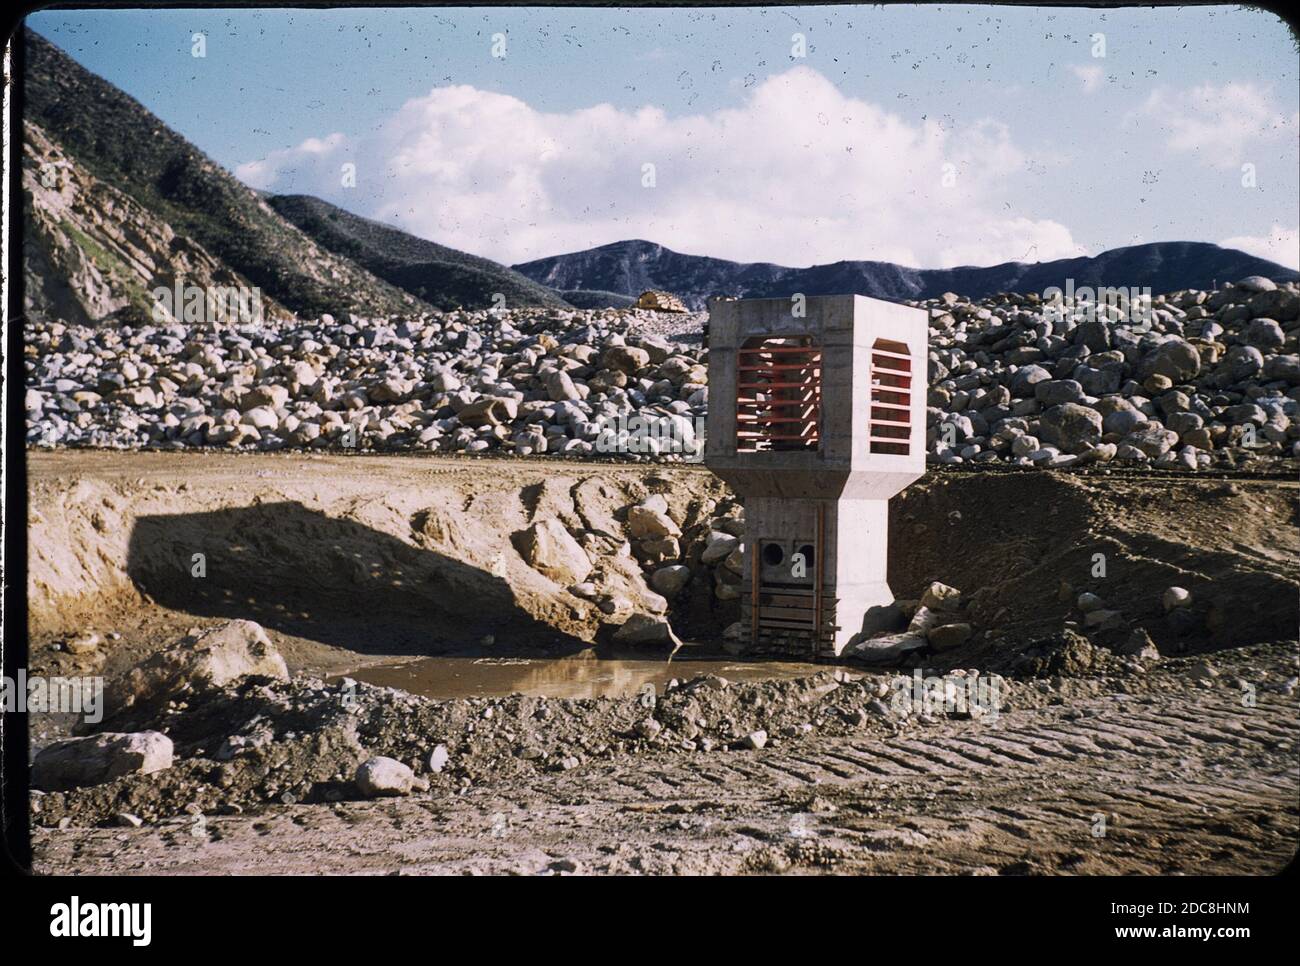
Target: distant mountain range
115,203
628,268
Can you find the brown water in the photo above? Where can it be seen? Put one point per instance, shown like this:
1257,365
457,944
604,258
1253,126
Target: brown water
583,675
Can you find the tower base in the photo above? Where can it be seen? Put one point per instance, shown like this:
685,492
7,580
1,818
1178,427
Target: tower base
813,568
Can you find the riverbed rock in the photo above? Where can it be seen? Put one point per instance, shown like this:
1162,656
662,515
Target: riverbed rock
603,383
94,760
382,777
212,658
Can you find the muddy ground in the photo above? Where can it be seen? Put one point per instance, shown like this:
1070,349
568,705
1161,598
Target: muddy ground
1093,763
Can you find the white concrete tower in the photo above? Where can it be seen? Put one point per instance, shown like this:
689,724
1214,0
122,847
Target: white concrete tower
816,418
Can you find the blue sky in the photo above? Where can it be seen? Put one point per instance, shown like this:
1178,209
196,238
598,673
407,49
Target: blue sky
924,135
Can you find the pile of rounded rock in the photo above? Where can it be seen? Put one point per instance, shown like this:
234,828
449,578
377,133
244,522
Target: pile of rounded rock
522,381
676,556
1202,379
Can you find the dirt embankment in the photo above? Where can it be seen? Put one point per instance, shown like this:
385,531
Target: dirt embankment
1024,545
378,556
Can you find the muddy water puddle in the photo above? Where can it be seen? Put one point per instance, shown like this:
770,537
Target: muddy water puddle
583,675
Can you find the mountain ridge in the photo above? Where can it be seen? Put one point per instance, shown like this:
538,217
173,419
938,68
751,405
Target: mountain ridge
444,277
628,267
116,140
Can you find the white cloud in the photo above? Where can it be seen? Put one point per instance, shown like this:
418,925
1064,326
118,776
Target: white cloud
1281,245
1225,126
797,174
1090,76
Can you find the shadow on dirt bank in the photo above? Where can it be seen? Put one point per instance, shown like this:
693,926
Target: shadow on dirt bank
335,581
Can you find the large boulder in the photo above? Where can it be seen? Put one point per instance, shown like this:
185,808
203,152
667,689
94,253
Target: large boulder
1256,283
551,550
670,580
1054,392
626,358
489,411
719,547
1026,379
267,395
381,777
559,386
1071,427
646,629
886,650
1265,334
94,760
389,390
213,658
649,522
1152,439
1175,358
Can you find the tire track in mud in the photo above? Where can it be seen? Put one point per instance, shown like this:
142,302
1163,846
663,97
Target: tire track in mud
1103,787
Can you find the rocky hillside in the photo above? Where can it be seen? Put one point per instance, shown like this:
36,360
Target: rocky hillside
441,276
91,252
630,267
165,181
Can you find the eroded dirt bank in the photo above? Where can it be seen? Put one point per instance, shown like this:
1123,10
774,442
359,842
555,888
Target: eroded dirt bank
379,556
1186,758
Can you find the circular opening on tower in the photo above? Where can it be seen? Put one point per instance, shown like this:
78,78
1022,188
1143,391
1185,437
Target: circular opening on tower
772,554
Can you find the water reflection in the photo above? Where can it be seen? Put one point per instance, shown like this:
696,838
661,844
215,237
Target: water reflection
582,675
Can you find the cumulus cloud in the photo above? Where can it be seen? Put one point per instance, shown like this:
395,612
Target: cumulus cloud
1224,125
797,174
1281,245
